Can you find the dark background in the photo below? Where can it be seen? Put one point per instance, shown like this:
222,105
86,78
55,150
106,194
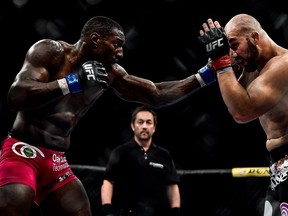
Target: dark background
161,45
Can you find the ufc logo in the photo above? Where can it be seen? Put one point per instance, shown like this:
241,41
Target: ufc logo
214,45
90,72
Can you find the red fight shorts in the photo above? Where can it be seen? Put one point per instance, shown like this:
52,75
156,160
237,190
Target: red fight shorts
42,169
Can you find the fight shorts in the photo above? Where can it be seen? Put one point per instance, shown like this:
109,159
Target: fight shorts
277,194
42,169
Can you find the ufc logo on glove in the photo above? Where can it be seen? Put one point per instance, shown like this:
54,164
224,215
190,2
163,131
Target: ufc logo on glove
89,70
214,44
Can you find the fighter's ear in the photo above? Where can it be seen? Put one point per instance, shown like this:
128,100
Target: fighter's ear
255,37
95,37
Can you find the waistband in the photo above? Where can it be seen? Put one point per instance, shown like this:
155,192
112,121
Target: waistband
19,136
279,153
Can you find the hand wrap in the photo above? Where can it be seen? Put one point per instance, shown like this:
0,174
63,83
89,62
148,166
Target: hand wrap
205,76
222,64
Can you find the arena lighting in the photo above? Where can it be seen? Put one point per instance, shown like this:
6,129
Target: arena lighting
20,3
281,23
93,2
49,28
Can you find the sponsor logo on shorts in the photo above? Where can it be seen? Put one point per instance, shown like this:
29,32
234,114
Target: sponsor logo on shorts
279,172
65,176
60,162
284,208
25,150
59,158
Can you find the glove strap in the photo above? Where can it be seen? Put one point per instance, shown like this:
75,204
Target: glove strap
220,63
207,75
74,84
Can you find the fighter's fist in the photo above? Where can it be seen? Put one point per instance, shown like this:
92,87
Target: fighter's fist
214,38
216,43
91,74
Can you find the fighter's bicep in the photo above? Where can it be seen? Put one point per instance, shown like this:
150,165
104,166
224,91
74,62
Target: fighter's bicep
133,88
265,93
30,72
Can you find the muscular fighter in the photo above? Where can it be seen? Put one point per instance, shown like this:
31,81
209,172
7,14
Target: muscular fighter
259,93
57,84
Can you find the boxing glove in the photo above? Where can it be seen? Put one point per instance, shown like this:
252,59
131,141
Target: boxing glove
92,73
217,49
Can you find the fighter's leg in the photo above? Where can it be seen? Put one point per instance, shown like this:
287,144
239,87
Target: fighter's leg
272,205
70,199
16,200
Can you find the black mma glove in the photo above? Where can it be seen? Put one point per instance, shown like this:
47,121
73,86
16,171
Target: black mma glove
92,73
217,49
175,211
107,210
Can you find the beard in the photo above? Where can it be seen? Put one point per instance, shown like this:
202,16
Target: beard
252,59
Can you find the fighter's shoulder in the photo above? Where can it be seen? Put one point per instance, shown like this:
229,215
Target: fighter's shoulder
284,56
46,50
280,63
46,46
47,43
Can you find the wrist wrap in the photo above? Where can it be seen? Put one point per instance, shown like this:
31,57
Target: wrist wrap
207,75
63,86
74,84
221,63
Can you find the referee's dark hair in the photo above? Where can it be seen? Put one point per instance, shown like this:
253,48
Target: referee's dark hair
144,108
